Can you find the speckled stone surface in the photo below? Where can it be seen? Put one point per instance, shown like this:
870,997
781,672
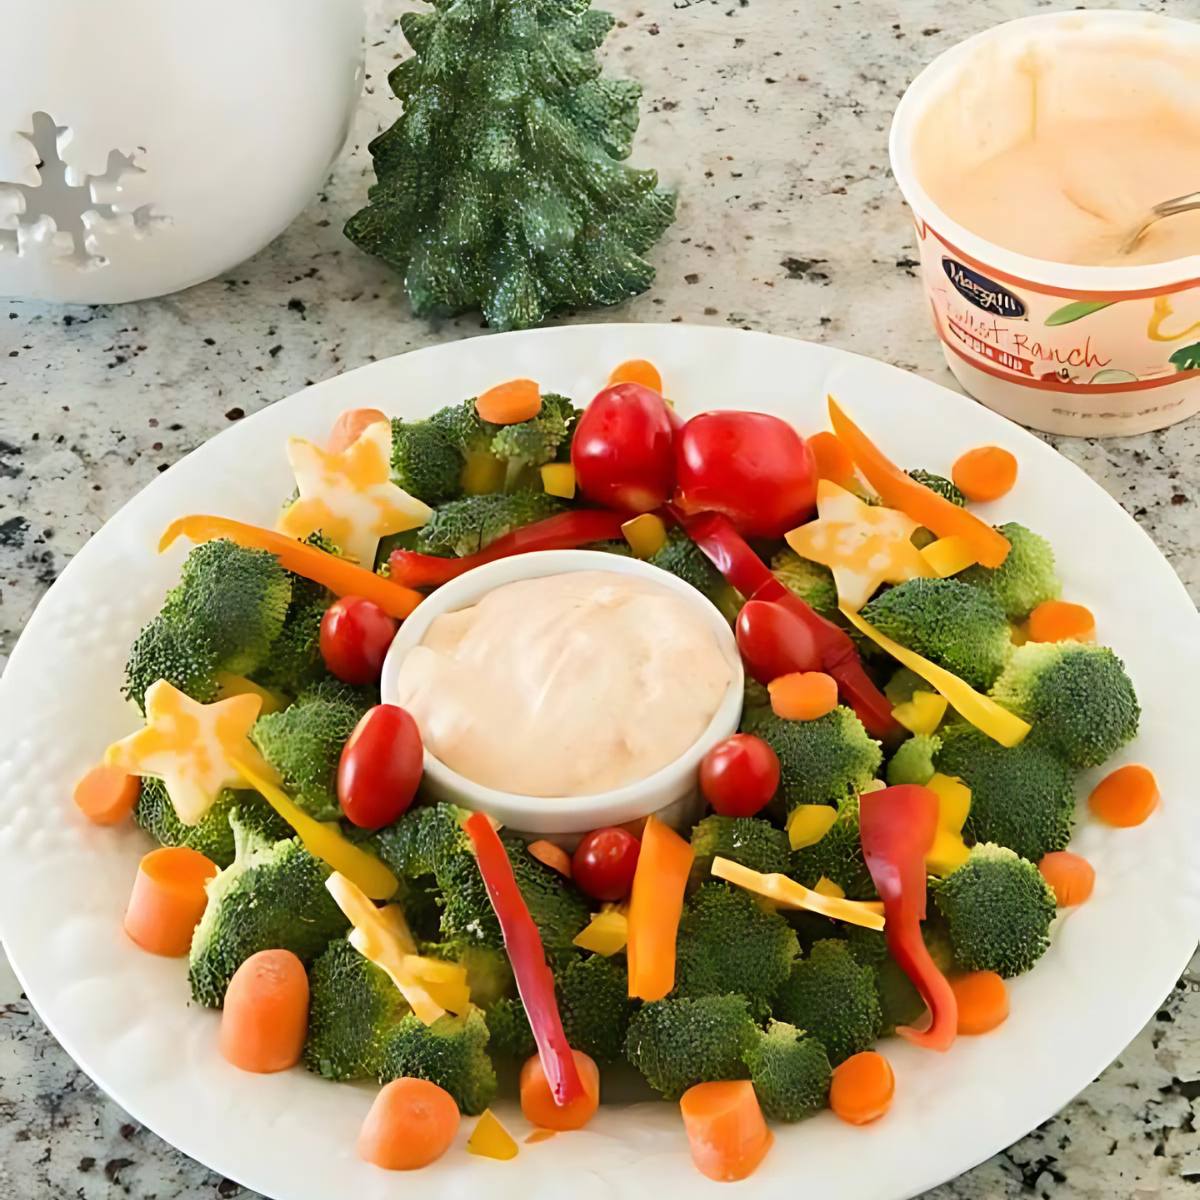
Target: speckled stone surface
770,116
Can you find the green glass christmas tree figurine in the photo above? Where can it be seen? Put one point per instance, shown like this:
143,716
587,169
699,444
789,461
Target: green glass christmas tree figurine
501,187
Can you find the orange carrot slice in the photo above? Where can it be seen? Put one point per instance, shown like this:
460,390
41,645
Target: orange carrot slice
982,1001
803,695
985,473
833,459
107,795
265,1016
1126,797
168,899
655,906
638,370
509,403
725,1128
1070,876
348,427
410,1125
1058,621
555,857
538,1103
862,1088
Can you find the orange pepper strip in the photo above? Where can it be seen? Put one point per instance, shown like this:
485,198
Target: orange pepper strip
898,490
337,574
655,906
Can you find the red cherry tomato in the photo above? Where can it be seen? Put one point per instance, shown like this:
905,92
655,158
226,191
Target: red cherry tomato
355,636
774,641
753,467
622,452
380,768
739,776
604,862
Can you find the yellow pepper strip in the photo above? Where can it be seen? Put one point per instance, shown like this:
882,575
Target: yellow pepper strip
807,824
445,981
489,1139
826,887
558,479
947,853
238,685
392,915
954,801
982,711
789,894
605,934
949,555
645,534
923,713
363,869
482,473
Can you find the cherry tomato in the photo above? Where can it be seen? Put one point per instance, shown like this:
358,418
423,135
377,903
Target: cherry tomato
739,776
774,641
355,636
622,452
604,863
753,467
380,768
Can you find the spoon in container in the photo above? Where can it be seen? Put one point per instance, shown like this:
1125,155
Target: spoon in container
1168,208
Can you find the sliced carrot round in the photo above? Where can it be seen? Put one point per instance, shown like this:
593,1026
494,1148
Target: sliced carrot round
638,370
510,403
985,473
349,427
537,1101
554,857
982,1001
265,1016
726,1131
168,899
107,795
1070,876
833,459
1060,621
1126,797
803,695
862,1088
411,1124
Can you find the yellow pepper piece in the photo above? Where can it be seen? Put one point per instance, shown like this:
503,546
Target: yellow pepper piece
446,982
954,801
1020,632
807,824
362,869
982,711
949,555
789,894
489,1139
605,934
947,853
923,713
826,887
645,534
238,685
558,479
482,473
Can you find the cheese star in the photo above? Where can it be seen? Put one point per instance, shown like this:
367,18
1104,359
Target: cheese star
863,545
191,747
349,496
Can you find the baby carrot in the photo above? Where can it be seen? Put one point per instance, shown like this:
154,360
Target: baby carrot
982,1001
862,1088
803,695
555,857
1058,621
349,425
725,1129
509,403
833,459
168,899
538,1103
410,1125
638,370
265,1016
1070,877
106,795
1125,797
985,473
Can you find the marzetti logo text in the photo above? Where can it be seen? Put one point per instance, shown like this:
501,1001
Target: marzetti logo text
981,291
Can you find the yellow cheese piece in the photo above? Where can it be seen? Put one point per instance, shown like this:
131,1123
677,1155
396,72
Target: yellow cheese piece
826,887
807,824
605,934
238,685
923,713
949,555
982,711
954,801
789,894
326,842
558,479
489,1139
646,535
445,981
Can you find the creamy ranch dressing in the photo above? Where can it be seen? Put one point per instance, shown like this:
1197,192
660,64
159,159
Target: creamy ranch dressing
565,685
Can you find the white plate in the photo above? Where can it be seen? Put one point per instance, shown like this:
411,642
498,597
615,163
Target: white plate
125,1017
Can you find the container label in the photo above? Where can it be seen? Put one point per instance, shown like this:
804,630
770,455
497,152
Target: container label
981,291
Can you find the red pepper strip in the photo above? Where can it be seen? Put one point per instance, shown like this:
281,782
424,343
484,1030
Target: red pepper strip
535,983
897,826
730,553
566,531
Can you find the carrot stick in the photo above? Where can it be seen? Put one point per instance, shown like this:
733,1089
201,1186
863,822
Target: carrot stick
348,427
803,695
538,1103
985,473
168,899
1126,797
107,795
555,857
1070,876
862,1088
655,906
410,1125
725,1128
1058,621
638,370
833,459
901,491
982,1001
337,574
265,1016
510,403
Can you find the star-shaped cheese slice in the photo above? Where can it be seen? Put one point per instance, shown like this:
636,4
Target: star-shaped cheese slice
863,545
349,495
191,747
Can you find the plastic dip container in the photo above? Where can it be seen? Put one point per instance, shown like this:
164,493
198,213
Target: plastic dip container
1095,350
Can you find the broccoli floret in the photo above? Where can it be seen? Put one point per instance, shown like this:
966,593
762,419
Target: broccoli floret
1078,698
593,999
425,461
467,525
271,897
998,909
913,760
728,942
790,1072
820,761
508,1023
463,427
837,856
830,996
902,685
960,627
354,1008
1025,578
1020,796
167,649
452,1052
421,843
811,581
754,694
683,558
941,485
676,1043
751,841
526,445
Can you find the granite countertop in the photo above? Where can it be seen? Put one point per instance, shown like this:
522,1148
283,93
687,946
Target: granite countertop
771,118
